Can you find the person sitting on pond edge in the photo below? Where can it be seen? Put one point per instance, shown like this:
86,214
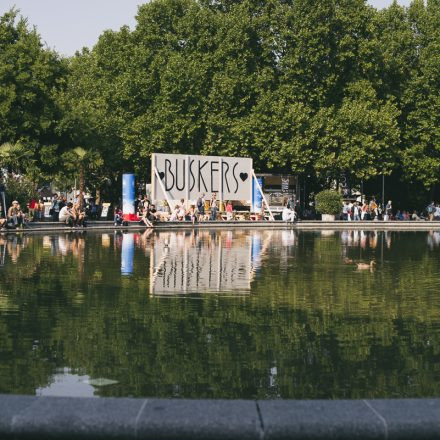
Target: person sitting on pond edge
15,215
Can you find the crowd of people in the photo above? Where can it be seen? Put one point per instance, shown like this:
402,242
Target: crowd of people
75,213
203,209
371,210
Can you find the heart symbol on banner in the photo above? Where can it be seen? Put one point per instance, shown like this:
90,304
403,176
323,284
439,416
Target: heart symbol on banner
243,176
161,175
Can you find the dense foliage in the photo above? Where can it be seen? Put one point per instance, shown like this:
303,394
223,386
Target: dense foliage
320,89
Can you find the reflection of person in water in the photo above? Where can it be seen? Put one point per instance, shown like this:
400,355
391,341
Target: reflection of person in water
14,247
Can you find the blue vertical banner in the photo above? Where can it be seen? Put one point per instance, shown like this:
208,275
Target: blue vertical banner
257,197
127,254
128,194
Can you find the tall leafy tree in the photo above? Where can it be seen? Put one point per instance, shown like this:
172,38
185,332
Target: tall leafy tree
30,76
421,157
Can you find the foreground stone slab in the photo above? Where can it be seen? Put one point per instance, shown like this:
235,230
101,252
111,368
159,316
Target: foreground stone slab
320,419
409,418
199,419
26,417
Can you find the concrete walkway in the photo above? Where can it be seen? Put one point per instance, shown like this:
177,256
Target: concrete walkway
28,417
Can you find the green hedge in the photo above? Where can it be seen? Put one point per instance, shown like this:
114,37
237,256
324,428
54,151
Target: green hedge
328,202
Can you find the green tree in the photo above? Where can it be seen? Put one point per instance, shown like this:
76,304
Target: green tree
30,76
360,137
421,156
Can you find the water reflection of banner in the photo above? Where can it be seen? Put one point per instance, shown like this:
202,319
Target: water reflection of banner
206,262
127,254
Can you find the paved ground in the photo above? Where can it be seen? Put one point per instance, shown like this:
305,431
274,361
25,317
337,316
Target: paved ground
24,417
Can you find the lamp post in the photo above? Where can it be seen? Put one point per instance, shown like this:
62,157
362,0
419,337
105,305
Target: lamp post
383,191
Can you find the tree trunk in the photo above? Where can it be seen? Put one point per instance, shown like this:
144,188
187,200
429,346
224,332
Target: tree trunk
81,185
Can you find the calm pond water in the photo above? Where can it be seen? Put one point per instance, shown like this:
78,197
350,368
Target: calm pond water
221,314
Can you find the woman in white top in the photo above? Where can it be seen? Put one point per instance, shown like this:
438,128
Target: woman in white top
288,215
175,215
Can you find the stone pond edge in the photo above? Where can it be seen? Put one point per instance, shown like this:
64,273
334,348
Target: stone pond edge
30,417
318,225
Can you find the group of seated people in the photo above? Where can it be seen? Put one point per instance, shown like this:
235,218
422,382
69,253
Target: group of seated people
202,210
72,215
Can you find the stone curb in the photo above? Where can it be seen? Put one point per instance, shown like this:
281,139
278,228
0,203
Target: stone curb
28,417
317,225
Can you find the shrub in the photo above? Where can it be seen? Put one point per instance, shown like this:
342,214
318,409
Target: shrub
328,202
20,190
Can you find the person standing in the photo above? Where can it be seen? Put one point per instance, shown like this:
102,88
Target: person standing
356,211
373,209
32,210
56,208
364,210
344,211
40,210
431,211
229,211
200,203
214,206
263,210
388,211
350,211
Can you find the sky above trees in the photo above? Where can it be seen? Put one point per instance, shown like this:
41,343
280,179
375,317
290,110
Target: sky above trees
68,26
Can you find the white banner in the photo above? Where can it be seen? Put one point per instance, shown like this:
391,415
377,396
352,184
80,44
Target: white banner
186,177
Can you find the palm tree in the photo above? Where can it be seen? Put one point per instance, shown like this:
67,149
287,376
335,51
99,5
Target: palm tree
12,155
81,154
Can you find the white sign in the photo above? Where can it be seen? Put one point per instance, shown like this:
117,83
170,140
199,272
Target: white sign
186,177
105,208
47,206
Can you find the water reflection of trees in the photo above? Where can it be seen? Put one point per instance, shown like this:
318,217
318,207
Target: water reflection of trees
312,326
